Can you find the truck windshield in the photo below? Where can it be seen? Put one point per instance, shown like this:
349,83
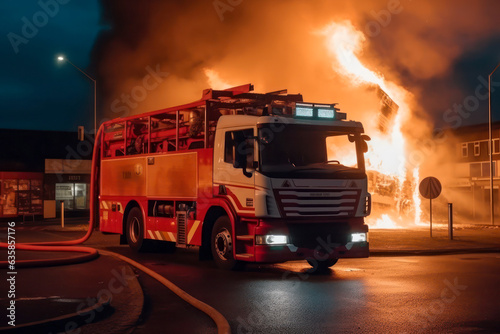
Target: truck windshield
307,151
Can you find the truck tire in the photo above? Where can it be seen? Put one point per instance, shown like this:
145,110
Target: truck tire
135,230
222,245
321,266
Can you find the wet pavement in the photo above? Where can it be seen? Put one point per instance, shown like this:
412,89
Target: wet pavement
68,293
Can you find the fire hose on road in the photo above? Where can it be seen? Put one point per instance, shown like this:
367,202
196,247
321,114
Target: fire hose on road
92,253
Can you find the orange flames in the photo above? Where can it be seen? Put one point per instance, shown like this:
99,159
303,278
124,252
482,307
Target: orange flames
386,154
215,81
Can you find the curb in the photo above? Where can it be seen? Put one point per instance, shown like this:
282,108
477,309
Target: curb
432,252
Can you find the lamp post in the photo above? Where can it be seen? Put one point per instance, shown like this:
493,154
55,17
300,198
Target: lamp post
492,209
61,59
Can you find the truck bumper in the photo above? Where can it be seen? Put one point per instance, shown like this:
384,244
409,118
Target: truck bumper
318,247
272,254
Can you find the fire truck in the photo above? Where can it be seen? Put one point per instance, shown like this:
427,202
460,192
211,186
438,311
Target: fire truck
246,177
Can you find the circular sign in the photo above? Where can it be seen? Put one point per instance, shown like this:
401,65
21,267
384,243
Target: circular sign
430,187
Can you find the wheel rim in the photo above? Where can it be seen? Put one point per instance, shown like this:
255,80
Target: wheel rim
134,230
223,244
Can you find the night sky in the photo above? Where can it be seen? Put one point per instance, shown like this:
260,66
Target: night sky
37,92
117,41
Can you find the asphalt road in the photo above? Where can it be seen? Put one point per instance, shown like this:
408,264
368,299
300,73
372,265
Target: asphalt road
441,294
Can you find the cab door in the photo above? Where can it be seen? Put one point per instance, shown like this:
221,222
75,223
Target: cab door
232,183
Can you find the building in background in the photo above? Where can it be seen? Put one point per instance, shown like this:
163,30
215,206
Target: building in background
21,194
39,169
471,177
67,181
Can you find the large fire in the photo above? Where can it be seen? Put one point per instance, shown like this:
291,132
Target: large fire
386,156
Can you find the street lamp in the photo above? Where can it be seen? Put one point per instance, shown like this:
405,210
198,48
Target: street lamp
492,210
61,59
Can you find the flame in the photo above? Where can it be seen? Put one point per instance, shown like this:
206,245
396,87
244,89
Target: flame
386,153
215,81
343,42
385,222
416,198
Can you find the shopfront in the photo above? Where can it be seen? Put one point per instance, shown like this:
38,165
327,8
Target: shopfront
21,194
67,181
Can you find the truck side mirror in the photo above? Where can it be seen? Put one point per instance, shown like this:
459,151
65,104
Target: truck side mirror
241,150
364,145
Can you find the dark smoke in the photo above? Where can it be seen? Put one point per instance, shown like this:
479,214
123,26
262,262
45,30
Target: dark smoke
434,49
270,44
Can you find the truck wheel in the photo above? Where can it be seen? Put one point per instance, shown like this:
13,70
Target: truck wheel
222,245
135,230
321,266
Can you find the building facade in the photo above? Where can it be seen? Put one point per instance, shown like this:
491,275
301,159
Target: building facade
41,169
471,180
66,181
21,194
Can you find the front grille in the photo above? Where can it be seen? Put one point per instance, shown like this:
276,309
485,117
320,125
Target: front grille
312,235
296,203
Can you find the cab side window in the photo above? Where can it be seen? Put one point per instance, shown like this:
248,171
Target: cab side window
229,144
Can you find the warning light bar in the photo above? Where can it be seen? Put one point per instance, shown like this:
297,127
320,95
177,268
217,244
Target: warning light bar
318,111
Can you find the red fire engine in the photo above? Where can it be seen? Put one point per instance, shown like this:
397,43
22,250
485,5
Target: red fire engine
246,177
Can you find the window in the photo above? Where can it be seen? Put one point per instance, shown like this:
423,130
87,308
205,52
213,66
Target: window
113,138
305,151
496,146
479,169
486,169
475,170
465,150
137,136
229,144
74,195
477,149
10,190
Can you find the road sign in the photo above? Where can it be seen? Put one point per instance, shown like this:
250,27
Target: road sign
430,188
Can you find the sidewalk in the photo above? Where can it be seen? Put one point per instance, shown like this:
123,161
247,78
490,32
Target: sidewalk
471,236
467,238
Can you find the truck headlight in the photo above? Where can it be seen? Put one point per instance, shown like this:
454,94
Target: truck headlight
358,237
271,239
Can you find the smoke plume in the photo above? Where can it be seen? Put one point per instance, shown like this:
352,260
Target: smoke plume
275,45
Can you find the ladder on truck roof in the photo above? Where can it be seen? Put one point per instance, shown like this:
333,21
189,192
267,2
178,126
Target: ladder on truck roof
174,129
241,97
